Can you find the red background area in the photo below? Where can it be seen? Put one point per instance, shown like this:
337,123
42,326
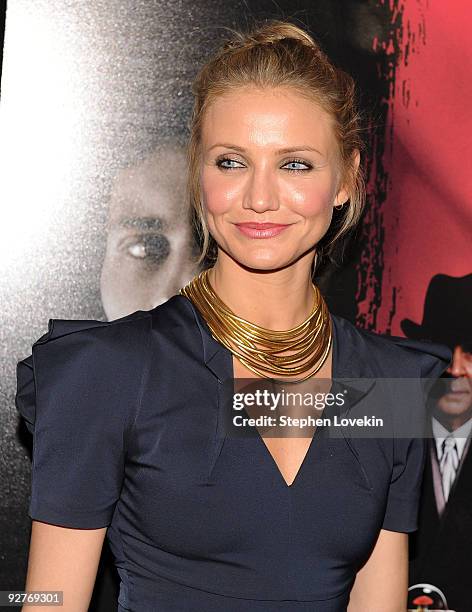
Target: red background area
428,210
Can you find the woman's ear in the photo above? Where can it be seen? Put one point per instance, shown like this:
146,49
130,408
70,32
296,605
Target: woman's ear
343,194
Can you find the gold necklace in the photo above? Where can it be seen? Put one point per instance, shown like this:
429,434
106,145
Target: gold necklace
259,348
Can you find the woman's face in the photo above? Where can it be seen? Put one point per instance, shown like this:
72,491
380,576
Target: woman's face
268,156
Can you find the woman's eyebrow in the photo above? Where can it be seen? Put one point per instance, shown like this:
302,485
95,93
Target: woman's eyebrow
228,145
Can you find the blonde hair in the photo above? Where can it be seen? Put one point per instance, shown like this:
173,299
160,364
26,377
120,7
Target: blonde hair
280,54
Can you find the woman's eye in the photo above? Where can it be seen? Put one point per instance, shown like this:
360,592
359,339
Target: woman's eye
226,160
297,166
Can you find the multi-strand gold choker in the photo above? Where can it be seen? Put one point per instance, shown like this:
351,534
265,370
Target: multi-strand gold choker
258,348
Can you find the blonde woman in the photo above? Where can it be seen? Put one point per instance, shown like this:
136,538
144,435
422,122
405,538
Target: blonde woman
127,415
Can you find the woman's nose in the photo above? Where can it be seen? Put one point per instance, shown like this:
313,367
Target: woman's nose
261,192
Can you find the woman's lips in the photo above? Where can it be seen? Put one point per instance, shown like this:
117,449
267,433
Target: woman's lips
261,230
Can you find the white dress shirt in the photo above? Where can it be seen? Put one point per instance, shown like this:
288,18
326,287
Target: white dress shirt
460,434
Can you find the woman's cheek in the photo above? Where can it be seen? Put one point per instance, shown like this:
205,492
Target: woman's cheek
219,195
308,200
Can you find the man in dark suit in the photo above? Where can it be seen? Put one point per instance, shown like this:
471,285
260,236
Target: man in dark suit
441,549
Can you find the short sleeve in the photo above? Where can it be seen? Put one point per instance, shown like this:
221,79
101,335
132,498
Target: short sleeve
409,458
409,454
431,359
79,392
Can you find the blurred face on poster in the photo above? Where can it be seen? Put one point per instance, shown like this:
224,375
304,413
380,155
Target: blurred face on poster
447,320
149,249
455,406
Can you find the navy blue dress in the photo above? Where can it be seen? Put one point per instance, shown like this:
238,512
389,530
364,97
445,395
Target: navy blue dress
129,434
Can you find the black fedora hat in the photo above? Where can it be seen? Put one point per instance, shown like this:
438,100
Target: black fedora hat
447,314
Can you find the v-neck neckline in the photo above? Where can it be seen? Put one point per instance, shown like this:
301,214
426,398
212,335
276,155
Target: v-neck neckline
311,445
230,374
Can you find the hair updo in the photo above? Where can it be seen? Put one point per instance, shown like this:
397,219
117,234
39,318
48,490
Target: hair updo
280,54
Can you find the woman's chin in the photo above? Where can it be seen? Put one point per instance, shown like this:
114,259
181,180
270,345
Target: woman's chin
260,257
263,263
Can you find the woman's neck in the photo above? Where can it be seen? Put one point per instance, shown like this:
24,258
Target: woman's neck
276,300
